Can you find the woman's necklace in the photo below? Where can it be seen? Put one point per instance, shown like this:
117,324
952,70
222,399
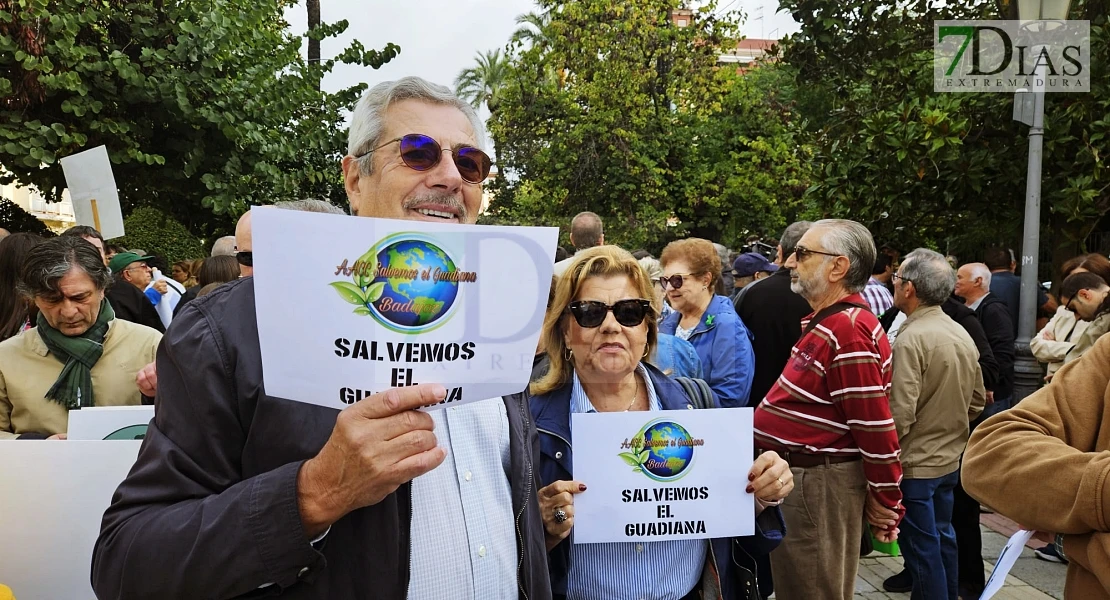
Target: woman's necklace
635,397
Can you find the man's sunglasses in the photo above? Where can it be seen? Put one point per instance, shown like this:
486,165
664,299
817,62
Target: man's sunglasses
591,313
245,258
421,153
803,253
674,281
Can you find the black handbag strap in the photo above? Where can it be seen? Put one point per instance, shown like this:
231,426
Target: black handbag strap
829,311
697,391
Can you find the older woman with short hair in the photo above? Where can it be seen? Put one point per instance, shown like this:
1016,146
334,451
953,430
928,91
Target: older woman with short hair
691,270
598,331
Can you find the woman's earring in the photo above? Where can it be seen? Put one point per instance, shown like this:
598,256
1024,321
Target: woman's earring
567,354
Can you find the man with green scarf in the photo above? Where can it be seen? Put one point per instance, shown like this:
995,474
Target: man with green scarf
78,354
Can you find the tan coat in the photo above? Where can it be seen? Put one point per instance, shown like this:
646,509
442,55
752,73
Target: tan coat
28,370
1046,464
1095,329
1066,330
936,389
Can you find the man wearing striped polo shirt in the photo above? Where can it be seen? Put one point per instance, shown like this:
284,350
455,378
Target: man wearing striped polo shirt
829,416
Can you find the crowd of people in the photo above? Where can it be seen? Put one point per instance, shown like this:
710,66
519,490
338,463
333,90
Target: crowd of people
867,371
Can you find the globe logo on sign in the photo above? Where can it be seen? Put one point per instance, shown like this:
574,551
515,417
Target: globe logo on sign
406,282
663,450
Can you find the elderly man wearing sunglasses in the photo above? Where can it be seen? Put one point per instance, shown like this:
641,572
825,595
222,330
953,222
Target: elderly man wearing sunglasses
237,493
599,333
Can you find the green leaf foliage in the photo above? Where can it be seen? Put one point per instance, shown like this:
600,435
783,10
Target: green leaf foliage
941,170
16,220
349,292
160,235
630,458
612,108
205,107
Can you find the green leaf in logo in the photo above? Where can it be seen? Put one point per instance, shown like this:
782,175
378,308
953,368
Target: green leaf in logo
368,267
349,292
637,470
631,459
643,457
362,310
374,292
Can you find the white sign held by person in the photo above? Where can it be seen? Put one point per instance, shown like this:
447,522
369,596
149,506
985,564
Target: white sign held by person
351,306
670,475
92,190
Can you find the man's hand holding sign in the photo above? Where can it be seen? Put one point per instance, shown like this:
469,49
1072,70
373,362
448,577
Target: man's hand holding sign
378,444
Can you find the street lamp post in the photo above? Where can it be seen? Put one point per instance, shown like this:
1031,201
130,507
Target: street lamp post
1027,371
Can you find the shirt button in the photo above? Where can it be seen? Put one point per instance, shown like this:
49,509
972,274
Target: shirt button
558,455
482,551
639,547
467,476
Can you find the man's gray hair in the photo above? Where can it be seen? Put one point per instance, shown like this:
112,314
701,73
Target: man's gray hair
933,278
224,246
47,263
849,238
791,235
310,205
980,271
368,118
586,228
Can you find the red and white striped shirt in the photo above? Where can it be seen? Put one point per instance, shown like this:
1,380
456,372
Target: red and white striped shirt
832,398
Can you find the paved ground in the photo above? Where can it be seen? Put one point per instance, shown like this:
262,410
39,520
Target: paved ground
1030,579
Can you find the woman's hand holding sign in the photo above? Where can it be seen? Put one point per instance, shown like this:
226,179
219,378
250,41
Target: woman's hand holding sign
378,444
557,510
771,480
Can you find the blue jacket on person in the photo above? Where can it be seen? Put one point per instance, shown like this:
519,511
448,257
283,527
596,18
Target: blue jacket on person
551,413
676,357
725,347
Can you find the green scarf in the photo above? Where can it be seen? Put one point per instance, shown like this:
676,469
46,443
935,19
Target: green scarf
73,388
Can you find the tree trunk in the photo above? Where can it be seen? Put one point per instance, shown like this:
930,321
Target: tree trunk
313,22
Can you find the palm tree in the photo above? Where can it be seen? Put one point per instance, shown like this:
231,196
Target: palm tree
533,28
482,83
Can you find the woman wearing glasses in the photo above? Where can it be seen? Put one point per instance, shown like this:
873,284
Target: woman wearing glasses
691,269
599,331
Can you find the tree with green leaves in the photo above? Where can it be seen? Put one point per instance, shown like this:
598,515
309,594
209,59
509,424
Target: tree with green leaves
482,83
15,219
643,128
944,170
205,107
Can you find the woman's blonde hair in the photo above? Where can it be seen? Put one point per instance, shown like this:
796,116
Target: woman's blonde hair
600,261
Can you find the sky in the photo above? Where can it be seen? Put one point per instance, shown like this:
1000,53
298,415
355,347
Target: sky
440,38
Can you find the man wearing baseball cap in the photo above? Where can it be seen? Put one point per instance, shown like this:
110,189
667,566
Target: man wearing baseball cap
747,269
130,276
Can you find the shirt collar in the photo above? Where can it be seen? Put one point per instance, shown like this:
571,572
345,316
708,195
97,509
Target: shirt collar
975,305
579,403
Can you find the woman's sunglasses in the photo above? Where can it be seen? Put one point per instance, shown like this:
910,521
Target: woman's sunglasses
245,258
674,281
421,153
591,313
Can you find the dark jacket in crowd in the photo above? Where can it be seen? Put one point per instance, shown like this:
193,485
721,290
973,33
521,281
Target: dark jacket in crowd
552,415
995,319
966,318
131,304
189,295
773,314
210,508
1007,287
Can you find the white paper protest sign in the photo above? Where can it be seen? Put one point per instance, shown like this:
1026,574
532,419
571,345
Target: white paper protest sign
663,475
92,189
53,500
109,422
351,306
1006,561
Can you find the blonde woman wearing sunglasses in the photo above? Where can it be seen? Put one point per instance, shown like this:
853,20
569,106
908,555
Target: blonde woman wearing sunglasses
599,332
691,269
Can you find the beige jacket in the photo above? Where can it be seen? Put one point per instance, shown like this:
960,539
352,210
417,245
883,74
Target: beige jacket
27,371
1066,330
1090,335
936,389
1046,464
